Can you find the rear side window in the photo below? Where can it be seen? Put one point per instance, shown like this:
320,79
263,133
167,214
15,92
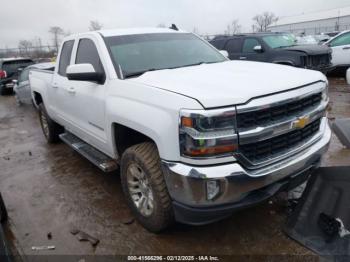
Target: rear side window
87,54
65,57
218,44
249,44
233,46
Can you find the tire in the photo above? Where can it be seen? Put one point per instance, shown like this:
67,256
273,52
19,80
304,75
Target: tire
3,211
145,156
2,90
50,128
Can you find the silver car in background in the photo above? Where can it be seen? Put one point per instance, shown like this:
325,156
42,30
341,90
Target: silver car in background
22,86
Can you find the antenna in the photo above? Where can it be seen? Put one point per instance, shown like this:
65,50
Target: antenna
174,27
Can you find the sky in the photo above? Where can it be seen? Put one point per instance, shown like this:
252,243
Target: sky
31,19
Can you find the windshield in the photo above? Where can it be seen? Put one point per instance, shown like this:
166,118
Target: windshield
278,41
136,54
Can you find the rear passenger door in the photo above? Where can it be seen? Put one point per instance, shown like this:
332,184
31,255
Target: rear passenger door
60,83
248,52
23,89
233,47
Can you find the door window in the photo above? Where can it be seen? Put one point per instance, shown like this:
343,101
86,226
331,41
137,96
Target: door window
87,54
249,44
341,40
65,57
233,46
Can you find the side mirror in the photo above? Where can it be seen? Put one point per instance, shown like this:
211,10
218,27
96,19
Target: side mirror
258,49
224,53
84,72
348,76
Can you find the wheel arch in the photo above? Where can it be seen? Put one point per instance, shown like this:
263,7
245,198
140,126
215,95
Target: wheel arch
37,98
125,137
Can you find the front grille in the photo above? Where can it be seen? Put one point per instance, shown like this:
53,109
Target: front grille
265,117
279,145
317,61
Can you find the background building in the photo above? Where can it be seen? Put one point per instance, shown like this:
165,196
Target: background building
314,23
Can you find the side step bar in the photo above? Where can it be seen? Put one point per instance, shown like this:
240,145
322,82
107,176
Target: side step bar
102,161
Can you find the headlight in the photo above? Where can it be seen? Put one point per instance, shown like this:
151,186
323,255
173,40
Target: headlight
207,133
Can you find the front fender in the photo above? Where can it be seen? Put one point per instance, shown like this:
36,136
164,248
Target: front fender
150,111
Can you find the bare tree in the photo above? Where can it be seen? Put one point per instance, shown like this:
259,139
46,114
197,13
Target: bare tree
236,27
264,20
57,33
95,25
233,28
24,47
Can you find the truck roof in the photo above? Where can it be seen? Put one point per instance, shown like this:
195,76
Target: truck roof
135,31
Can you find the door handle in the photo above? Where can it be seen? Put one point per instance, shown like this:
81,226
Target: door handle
71,90
54,85
242,57
346,48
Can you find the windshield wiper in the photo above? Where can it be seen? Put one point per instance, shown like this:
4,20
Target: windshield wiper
195,64
138,73
283,46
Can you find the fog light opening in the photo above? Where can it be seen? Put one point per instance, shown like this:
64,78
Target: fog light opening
213,189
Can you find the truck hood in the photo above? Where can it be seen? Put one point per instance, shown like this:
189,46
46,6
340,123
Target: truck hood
310,49
229,83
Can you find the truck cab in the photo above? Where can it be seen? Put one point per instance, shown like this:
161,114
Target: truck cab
194,135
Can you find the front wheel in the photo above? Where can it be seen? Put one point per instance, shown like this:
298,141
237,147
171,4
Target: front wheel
144,187
50,128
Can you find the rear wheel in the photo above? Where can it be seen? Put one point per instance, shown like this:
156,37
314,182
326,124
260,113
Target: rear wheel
50,128
144,187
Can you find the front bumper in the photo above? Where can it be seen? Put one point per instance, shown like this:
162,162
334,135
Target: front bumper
323,69
239,187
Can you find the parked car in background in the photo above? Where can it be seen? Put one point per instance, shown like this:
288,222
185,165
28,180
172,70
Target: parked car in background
196,136
331,34
278,48
22,88
306,40
9,71
340,45
322,38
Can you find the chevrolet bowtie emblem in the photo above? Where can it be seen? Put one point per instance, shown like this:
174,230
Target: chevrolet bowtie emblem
301,122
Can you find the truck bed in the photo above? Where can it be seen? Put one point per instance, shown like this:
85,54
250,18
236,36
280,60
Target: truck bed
40,79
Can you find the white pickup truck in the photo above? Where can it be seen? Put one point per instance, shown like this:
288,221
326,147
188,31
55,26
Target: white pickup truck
196,136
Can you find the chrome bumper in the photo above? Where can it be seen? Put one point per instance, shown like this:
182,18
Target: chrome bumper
187,184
